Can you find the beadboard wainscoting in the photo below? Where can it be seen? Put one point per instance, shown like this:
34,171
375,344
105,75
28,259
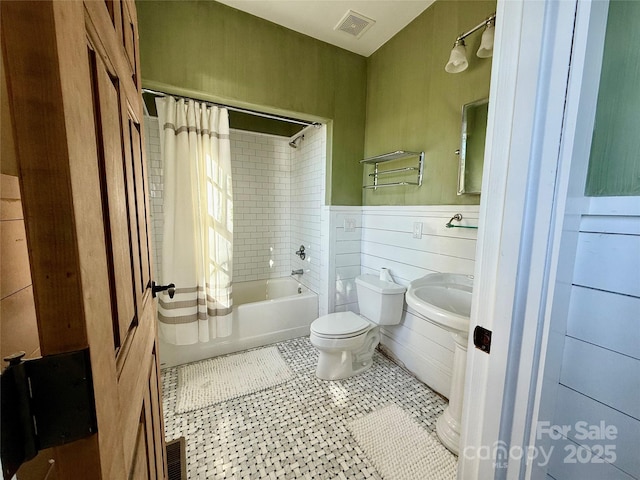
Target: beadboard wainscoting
359,240
389,239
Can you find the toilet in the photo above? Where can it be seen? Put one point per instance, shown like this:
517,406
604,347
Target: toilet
346,340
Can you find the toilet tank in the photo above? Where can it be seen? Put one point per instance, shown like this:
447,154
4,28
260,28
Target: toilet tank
380,301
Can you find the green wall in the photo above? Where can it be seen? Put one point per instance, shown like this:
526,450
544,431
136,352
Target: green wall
241,121
413,104
614,164
210,51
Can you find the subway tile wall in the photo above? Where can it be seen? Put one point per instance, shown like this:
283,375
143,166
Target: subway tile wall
261,169
278,192
307,198
156,187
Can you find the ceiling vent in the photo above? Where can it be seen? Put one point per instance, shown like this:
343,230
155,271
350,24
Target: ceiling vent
354,23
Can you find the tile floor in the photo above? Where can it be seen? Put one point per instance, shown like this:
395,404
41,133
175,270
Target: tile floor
296,429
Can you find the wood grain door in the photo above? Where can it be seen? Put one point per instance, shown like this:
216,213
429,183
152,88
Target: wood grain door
74,89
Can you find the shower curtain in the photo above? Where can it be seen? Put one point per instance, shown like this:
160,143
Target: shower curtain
198,221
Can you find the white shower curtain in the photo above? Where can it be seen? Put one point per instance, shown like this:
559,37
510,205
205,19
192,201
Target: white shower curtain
198,222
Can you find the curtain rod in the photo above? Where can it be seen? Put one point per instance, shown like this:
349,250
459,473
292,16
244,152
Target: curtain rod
235,109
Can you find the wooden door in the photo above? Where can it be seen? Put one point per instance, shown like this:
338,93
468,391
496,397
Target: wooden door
74,88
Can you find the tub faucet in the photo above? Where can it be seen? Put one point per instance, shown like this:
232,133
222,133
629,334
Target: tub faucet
297,272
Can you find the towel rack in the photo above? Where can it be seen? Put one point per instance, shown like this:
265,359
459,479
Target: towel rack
458,217
388,157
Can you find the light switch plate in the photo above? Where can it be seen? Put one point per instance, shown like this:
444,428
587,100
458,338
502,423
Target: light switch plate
349,224
417,230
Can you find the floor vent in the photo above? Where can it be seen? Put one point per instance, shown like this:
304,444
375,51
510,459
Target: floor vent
354,23
177,459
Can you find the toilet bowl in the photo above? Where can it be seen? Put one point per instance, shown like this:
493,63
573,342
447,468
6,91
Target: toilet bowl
345,340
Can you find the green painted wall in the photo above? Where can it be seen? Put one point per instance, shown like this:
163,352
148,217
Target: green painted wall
241,121
614,164
413,104
252,123
210,51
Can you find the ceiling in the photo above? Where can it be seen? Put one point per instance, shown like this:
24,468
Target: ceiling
317,18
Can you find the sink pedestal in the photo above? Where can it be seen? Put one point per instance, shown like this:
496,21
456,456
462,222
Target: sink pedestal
445,299
448,426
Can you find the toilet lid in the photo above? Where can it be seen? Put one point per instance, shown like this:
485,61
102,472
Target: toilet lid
340,325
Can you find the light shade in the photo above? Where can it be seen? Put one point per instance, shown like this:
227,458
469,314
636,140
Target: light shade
458,58
486,44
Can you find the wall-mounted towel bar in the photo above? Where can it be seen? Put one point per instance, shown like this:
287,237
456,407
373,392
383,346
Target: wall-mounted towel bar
387,157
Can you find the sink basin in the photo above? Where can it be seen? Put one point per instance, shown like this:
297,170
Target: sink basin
444,298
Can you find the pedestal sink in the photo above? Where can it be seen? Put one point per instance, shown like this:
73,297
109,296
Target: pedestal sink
445,299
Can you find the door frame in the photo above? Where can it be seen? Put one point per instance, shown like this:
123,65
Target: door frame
544,85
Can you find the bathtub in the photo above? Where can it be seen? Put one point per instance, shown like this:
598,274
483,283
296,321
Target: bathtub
264,312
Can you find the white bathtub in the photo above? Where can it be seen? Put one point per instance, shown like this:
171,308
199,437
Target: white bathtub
264,312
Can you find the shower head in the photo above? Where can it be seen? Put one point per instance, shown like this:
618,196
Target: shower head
294,143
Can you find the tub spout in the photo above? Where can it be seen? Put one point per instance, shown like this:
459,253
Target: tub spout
297,272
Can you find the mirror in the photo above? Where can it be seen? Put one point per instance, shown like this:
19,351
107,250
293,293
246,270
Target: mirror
471,153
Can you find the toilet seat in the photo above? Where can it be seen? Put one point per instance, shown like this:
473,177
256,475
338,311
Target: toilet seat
340,325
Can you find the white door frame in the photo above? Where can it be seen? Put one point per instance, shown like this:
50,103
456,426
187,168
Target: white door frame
533,114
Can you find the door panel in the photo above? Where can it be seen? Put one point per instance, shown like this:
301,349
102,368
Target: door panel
143,208
115,12
114,198
134,380
140,469
137,373
76,104
148,451
140,195
155,398
133,199
129,40
148,432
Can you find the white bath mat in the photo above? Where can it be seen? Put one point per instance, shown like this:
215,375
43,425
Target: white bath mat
218,379
400,449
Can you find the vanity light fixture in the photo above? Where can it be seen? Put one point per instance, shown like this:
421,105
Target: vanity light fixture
458,59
